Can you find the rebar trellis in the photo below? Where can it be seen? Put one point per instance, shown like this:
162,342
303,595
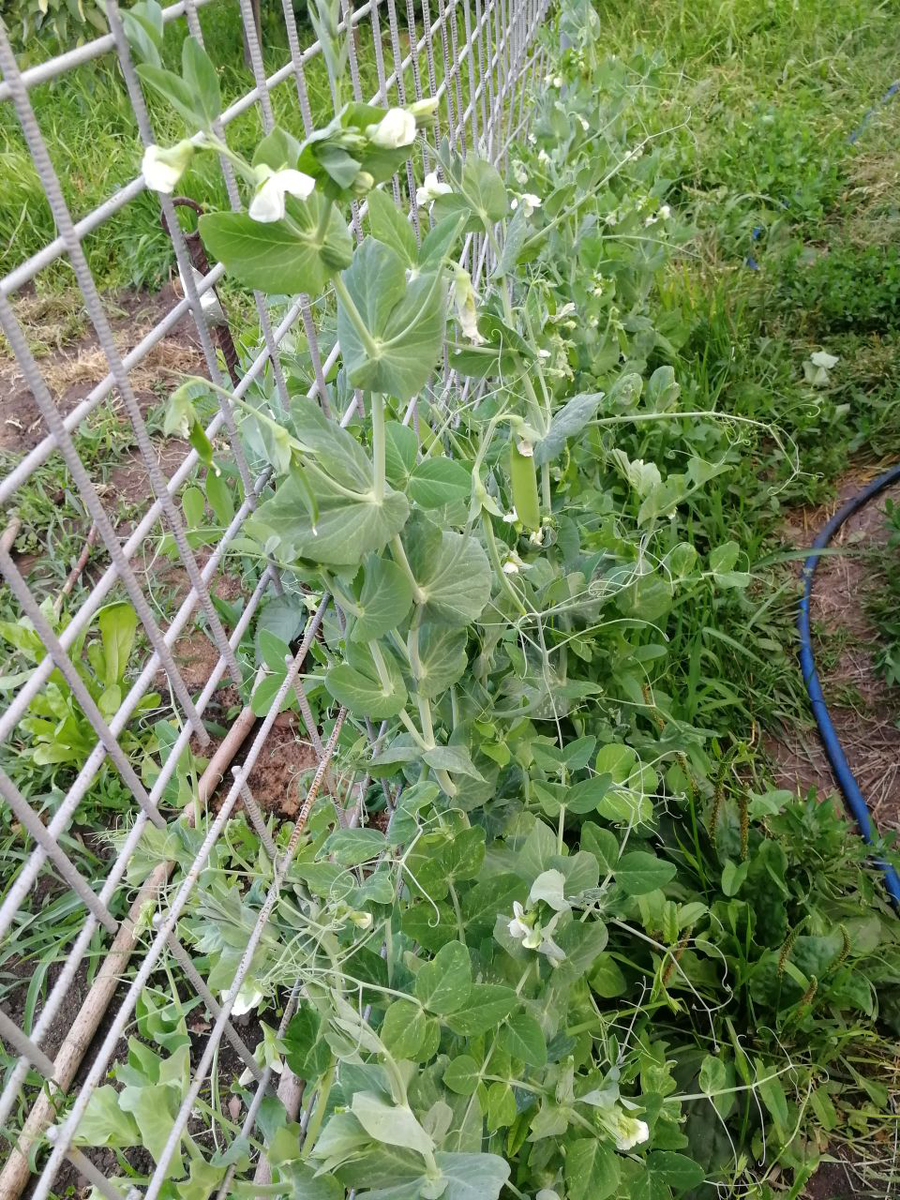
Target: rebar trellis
488,62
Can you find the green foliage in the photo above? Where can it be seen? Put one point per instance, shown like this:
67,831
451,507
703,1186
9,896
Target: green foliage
587,953
57,732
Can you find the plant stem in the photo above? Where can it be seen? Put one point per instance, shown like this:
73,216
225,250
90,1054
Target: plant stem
347,303
416,736
322,228
403,562
494,555
546,498
381,667
315,1122
378,447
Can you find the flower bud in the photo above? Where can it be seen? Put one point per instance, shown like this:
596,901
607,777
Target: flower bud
397,128
363,183
425,107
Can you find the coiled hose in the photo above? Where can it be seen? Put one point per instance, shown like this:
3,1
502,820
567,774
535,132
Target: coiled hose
831,742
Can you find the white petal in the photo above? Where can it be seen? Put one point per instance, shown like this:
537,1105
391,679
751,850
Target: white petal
268,203
295,182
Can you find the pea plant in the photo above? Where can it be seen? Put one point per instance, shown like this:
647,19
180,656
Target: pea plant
584,955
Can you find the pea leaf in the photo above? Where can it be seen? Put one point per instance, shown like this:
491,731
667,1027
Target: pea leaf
592,1170
676,1170
523,1038
489,898
404,320
281,256
443,985
344,531
501,1106
336,451
361,691
566,422
105,1123
351,847
638,872
472,1176
455,759
400,449
454,576
462,1075
443,658
385,599
486,1006
394,1125
390,227
403,1028
439,481
201,80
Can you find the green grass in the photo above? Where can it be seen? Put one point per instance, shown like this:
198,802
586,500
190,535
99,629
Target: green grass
91,132
794,251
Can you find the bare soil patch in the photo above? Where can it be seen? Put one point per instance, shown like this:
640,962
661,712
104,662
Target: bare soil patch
864,709
72,363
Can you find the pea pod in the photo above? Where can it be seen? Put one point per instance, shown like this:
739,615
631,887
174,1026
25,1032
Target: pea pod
524,484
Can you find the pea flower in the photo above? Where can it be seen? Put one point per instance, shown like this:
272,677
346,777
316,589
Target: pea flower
466,312
524,926
163,166
425,107
395,129
665,212
626,1131
431,189
529,203
521,927
246,1000
268,203
363,183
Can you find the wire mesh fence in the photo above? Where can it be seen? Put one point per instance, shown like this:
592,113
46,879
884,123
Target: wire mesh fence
481,59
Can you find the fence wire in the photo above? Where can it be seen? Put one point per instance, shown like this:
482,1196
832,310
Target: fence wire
480,58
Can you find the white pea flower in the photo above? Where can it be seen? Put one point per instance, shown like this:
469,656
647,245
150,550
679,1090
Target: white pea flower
466,312
163,166
627,1131
511,517
520,174
246,1000
665,212
424,107
520,927
529,203
395,129
585,125
543,158
612,218
651,220
543,353
268,203
431,189
362,920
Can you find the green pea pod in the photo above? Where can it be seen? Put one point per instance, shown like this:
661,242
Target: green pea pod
524,487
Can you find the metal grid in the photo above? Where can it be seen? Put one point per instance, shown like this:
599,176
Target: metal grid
489,64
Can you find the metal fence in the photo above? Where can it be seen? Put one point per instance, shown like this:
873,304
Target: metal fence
488,62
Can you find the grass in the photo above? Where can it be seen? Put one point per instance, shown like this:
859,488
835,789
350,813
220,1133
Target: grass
91,132
794,252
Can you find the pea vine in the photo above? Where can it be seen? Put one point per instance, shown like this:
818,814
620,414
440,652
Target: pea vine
567,964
